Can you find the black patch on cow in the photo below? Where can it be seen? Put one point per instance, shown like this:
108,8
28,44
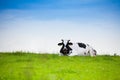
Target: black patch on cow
82,45
66,51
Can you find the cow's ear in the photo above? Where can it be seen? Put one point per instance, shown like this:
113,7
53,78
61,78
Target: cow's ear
59,44
70,43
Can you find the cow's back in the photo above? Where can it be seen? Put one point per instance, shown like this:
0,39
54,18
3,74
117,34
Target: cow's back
78,49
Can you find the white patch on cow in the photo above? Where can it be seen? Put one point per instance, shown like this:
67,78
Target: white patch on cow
77,51
65,43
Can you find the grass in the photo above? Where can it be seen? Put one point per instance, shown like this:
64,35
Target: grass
29,66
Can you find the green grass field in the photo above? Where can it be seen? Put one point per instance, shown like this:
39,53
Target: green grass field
28,66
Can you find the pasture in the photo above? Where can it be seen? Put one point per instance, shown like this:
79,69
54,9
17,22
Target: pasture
29,66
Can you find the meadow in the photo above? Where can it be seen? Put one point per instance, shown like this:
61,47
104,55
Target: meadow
30,66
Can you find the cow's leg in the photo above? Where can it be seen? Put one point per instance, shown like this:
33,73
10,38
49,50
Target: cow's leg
92,54
72,54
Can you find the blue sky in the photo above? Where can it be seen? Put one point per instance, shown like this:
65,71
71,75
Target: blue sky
38,25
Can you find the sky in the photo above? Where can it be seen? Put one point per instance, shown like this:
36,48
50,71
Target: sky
39,25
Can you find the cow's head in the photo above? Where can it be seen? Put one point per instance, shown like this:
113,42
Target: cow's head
65,50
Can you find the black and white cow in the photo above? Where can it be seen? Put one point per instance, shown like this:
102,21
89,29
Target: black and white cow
72,49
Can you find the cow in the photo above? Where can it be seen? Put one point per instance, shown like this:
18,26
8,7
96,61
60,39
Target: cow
72,49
